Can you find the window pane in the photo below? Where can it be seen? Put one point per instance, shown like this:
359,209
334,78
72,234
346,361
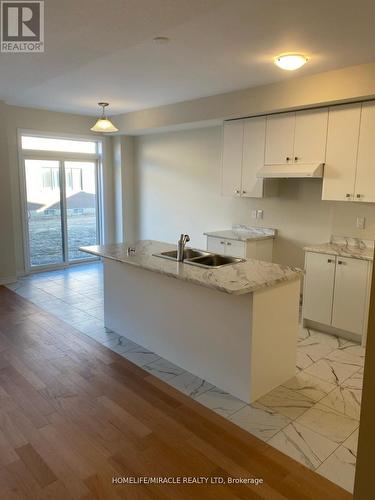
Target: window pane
81,204
43,212
50,144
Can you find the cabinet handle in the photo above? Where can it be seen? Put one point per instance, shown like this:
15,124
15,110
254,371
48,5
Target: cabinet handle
287,158
330,261
348,195
341,262
237,191
296,158
222,242
359,195
228,243
243,192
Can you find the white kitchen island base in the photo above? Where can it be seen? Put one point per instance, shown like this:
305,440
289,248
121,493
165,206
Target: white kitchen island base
244,344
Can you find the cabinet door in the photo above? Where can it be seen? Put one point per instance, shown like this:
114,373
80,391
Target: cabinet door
318,289
349,305
216,245
310,136
232,158
341,157
365,185
235,248
253,156
279,138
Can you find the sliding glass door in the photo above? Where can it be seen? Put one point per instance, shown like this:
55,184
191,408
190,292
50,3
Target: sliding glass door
81,207
44,212
62,210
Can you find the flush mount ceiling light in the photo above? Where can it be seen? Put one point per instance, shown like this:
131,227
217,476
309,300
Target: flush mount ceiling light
104,124
290,62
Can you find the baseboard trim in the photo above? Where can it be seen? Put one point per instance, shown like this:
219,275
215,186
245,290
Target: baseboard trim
314,325
7,280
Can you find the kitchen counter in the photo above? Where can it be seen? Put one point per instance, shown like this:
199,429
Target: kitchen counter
243,341
345,247
237,279
241,232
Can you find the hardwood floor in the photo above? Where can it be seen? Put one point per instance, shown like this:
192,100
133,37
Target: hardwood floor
74,415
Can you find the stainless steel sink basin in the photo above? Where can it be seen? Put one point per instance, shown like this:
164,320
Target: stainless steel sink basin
214,261
189,253
200,258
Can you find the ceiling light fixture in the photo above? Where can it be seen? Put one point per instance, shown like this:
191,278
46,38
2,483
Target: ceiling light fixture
104,124
290,62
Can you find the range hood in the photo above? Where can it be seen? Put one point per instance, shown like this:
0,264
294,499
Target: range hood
293,170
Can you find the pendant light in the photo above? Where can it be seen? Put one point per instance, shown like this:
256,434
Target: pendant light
103,124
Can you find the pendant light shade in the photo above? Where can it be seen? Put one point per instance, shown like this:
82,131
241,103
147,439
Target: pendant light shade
103,124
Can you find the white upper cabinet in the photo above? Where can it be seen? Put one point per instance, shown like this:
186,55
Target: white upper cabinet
232,158
279,138
310,136
243,156
365,178
341,156
253,156
296,137
342,137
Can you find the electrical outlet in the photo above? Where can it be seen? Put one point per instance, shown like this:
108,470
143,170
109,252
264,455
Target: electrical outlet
259,214
361,222
253,214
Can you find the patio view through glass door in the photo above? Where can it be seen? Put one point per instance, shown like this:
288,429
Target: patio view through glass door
44,212
62,210
81,207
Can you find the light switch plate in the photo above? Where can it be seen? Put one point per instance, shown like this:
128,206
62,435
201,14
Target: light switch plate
259,214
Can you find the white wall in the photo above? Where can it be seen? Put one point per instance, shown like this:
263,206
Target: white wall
11,257
7,257
177,188
341,85
123,168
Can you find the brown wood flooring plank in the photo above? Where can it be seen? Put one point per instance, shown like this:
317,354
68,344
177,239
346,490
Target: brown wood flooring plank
36,465
74,414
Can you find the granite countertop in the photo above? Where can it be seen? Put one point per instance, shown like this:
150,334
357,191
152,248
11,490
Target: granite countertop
345,247
242,232
237,279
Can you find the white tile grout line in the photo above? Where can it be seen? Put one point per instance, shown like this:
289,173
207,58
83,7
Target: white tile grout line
341,444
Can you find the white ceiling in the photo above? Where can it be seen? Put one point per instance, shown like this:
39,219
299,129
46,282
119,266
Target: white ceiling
103,50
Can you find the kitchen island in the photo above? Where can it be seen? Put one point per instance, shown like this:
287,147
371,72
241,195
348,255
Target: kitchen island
234,326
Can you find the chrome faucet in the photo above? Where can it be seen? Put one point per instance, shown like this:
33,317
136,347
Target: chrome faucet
184,238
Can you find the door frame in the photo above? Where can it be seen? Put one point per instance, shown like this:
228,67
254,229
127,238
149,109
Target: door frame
60,157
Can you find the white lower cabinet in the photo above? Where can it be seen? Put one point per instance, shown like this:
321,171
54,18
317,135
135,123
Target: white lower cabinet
336,292
250,249
319,280
348,312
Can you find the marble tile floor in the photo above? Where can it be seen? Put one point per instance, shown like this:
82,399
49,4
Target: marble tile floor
314,417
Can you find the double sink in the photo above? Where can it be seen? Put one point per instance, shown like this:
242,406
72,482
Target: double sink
200,258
